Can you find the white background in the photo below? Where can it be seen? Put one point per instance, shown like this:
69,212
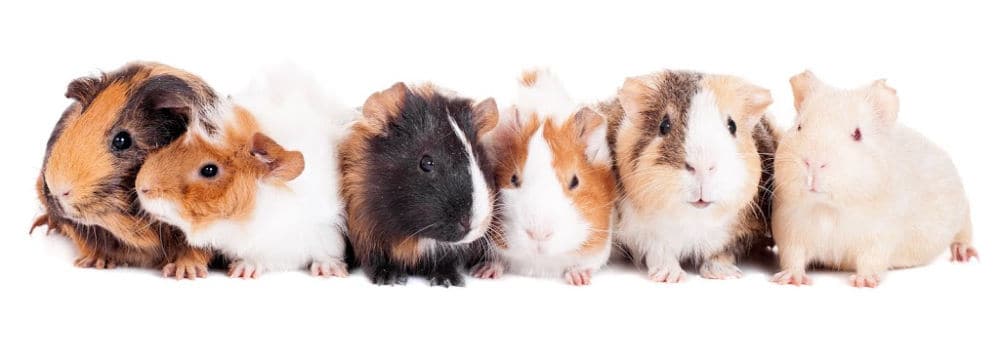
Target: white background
942,59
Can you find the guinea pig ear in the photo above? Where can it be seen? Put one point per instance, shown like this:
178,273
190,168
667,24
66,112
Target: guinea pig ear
635,94
803,85
885,101
383,106
282,165
593,129
84,89
486,116
757,100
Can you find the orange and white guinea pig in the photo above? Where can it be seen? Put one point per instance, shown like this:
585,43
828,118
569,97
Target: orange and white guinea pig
258,181
553,170
693,154
859,191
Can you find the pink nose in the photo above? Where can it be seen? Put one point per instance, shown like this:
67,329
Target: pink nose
819,164
540,235
707,168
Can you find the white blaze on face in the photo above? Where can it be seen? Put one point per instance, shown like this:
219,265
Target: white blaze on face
166,211
541,206
712,152
482,205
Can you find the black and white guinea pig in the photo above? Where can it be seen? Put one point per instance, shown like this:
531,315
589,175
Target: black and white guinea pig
414,183
94,153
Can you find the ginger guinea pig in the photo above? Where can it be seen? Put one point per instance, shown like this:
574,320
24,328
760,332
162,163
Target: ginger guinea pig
94,153
414,181
692,153
553,173
239,191
858,191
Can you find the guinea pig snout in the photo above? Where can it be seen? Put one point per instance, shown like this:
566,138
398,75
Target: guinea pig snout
64,194
539,234
814,169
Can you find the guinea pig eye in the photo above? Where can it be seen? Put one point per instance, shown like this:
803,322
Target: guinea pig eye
799,128
209,171
426,164
514,180
732,126
121,141
573,183
664,126
857,135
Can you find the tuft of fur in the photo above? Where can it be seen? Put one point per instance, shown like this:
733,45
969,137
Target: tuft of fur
858,191
265,210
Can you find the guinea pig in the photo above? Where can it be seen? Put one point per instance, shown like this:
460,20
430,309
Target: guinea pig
94,153
556,187
858,191
414,181
241,192
693,154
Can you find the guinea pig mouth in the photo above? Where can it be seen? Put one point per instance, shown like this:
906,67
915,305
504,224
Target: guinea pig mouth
700,204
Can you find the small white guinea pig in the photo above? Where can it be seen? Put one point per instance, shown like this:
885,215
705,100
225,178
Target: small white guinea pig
858,191
692,153
553,171
229,186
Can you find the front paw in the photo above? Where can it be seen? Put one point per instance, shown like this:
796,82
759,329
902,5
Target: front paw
327,268
719,270
667,274
864,280
578,277
793,277
95,261
244,269
446,278
963,252
388,277
488,270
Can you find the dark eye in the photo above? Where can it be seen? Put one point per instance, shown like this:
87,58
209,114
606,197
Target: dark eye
121,141
732,126
514,180
209,171
573,183
857,135
799,128
426,164
664,126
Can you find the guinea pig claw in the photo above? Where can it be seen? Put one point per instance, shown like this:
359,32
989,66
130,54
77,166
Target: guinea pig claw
328,268
670,274
94,261
795,278
578,277
181,270
864,281
962,253
244,270
488,270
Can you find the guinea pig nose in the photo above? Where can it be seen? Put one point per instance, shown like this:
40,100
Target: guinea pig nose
466,225
539,235
65,193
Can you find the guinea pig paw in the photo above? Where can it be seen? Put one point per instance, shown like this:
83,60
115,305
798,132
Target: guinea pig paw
488,270
94,261
963,253
181,269
792,277
387,277
719,270
864,281
667,274
245,270
327,268
578,277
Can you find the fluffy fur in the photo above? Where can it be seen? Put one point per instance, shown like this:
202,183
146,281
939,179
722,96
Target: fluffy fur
858,191
268,208
692,155
414,180
556,186
87,182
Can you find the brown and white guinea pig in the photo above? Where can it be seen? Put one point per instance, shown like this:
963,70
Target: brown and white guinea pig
858,191
94,153
241,192
414,181
557,190
693,155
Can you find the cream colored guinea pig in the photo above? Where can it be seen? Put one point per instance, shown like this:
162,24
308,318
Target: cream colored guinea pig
858,191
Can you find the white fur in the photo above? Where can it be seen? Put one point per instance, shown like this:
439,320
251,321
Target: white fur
540,204
289,227
892,200
482,205
664,237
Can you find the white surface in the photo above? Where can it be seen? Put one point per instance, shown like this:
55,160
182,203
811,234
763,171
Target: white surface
941,58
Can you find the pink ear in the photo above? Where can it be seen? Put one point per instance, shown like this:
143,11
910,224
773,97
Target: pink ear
382,106
282,165
634,94
884,99
486,116
803,85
